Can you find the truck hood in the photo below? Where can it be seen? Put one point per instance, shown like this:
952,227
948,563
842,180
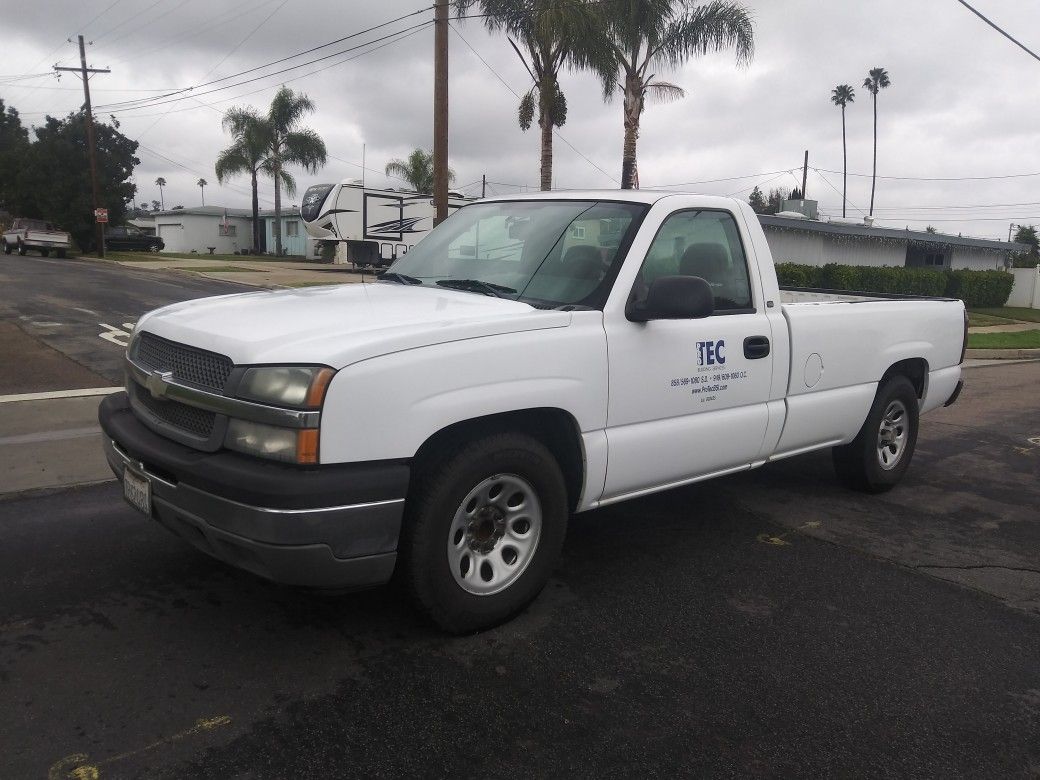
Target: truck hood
341,324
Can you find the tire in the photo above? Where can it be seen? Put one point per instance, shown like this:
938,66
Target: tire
493,506
62,254
879,456
7,248
45,253
153,248
21,249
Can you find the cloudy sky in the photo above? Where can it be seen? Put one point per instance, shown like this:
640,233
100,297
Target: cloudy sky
963,102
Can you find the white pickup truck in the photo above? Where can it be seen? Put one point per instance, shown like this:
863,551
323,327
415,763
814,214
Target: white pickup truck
531,357
35,234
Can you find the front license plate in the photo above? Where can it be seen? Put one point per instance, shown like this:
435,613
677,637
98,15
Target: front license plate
137,490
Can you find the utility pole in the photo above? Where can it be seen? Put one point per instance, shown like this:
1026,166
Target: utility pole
440,110
805,172
88,116
1010,228
483,186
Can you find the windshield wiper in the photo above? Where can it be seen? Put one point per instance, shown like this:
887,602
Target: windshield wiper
393,276
476,285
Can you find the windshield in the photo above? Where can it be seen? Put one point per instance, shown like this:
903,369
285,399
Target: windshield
547,253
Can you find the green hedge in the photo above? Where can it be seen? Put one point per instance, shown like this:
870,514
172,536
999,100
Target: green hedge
975,288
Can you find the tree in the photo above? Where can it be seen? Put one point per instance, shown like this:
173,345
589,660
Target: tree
930,229
289,144
548,31
757,201
14,141
160,183
417,170
876,80
842,95
638,37
52,179
1028,259
156,205
775,201
246,155
202,186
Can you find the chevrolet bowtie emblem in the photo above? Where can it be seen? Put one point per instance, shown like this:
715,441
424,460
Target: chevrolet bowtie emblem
157,383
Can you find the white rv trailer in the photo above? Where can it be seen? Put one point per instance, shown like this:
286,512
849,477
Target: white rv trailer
373,226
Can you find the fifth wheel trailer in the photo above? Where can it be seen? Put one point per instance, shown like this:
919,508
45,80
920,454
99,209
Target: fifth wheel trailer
372,226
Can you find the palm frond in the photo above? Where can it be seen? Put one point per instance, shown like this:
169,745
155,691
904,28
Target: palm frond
664,92
713,27
304,148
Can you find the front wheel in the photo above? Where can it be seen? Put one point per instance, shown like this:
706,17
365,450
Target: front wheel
7,248
21,249
483,529
62,254
879,456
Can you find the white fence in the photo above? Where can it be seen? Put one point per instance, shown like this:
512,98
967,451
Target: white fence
1026,292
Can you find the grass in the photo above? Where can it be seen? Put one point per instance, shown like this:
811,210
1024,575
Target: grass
152,257
1009,313
217,269
1023,339
977,320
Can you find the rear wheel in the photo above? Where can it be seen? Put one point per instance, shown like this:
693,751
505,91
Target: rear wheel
21,249
45,252
880,454
62,254
484,528
7,248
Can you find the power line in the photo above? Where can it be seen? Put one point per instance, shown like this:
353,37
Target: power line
286,59
556,132
937,178
1003,32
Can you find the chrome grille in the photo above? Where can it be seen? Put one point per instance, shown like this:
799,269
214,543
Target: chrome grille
197,422
190,365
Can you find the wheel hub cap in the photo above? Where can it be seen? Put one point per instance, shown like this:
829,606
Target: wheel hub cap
891,442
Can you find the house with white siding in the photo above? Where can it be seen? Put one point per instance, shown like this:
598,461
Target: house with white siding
796,238
201,229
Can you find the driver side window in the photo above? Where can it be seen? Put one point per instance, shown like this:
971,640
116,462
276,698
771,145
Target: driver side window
705,244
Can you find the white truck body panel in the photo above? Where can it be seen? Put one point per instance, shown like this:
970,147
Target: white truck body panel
36,235
413,360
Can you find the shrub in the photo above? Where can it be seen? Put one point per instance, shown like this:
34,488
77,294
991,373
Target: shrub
978,289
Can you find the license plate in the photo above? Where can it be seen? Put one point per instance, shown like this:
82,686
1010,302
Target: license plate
137,490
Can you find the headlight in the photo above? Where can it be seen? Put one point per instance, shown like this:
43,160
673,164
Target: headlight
301,387
292,445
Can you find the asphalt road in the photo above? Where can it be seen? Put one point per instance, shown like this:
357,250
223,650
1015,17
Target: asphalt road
765,624
81,310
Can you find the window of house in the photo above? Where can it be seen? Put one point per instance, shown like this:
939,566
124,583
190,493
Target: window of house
705,244
228,230
935,259
292,228
578,231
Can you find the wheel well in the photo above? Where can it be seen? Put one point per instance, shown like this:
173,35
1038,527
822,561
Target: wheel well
914,369
555,428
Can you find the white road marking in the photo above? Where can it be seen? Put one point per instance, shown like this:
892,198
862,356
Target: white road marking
114,335
47,396
35,438
91,312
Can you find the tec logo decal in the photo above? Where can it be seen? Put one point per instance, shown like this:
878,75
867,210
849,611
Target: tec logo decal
711,353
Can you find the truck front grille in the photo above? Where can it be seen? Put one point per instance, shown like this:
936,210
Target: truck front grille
190,365
192,420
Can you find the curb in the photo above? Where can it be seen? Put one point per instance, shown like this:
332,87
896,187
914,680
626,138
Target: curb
1003,354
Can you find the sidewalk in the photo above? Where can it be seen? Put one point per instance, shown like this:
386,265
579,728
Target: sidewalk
51,443
257,273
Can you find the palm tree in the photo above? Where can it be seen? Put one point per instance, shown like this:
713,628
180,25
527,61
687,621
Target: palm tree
639,36
549,31
289,144
417,170
246,155
160,183
876,80
842,95
202,186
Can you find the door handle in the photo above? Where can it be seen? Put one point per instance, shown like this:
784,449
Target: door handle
756,347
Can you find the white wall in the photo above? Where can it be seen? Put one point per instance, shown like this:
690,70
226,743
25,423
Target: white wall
185,232
976,259
819,249
1026,292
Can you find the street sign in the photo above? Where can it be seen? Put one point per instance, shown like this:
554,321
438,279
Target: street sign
101,215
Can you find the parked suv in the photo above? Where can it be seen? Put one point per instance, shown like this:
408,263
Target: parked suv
129,238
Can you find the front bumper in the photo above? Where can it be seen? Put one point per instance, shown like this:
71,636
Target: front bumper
333,526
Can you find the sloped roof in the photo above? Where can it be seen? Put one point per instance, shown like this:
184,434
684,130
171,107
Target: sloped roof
844,229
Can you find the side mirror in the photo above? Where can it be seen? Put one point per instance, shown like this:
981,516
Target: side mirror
674,298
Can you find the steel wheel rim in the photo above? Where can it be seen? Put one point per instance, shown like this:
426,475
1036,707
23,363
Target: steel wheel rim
494,534
892,433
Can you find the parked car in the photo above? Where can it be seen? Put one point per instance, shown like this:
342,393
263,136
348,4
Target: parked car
130,238
38,235
530,358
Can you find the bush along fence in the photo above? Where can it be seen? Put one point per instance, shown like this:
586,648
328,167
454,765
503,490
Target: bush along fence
978,289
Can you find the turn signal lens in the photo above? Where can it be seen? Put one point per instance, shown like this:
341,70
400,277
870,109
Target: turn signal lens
307,446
